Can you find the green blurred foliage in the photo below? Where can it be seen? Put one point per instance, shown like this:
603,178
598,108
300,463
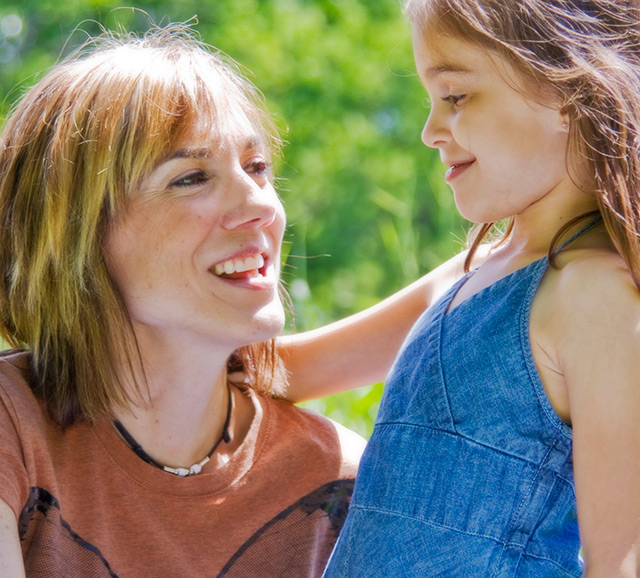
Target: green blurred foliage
367,207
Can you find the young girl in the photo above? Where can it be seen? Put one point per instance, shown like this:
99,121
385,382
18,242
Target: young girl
510,418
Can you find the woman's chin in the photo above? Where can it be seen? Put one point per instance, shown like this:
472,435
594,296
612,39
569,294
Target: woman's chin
269,322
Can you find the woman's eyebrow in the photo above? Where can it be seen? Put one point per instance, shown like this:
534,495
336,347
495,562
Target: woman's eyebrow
184,153
191,153
253,141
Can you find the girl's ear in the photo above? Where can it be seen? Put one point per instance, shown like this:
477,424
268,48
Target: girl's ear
565,119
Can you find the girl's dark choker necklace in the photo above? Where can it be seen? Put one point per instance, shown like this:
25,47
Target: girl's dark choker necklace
182,472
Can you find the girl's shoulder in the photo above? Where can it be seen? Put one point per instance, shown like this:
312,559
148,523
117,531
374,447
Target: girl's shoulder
589,304
593,281
584,331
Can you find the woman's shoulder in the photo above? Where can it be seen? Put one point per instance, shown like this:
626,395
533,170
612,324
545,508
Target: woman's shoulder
14,381
23,429
584,322
308,431
14,360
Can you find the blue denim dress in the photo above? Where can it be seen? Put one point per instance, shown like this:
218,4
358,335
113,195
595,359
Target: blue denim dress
468,472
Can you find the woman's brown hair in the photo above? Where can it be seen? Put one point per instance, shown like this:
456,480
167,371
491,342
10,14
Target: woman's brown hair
71,152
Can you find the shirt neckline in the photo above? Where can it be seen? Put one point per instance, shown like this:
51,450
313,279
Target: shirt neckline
209,481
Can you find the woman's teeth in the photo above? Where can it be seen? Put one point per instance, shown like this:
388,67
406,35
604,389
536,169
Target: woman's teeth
239,265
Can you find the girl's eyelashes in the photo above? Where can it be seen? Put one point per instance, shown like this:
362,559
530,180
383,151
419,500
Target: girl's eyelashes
455,99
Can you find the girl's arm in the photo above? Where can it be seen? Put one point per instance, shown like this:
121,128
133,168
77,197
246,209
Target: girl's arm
11,565
360,349
600,355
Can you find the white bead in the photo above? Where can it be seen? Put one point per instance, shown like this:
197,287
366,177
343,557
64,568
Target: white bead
182,472
195,469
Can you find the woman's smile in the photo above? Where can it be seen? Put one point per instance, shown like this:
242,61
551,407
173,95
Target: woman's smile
252,271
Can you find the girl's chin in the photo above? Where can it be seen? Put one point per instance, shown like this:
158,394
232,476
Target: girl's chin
480,215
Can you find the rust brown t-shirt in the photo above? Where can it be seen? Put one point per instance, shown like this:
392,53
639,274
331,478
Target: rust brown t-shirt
89,507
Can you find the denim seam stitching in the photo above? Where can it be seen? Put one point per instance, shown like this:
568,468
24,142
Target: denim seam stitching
513,523
499,561
480,444
525,343
444,306
554,562
528,495
428,523
458,531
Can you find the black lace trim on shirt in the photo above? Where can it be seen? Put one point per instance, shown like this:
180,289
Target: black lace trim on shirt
271,550
39,526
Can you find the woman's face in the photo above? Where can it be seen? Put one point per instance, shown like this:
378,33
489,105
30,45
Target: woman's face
196,252
504,151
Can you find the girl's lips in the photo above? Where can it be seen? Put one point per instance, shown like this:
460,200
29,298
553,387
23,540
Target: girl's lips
456,170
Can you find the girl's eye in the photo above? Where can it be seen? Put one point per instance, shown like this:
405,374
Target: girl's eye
193,179
455,99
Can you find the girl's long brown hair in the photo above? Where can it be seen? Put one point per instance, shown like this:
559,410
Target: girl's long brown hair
71,152
587,53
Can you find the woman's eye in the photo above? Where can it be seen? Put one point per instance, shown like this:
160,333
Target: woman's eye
259,167
455,99
191,180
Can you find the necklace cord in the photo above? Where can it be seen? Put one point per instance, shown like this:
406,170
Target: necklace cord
182,472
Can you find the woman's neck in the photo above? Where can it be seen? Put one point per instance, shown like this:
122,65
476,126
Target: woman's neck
186,406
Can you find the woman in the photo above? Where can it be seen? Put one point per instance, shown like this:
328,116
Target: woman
140,258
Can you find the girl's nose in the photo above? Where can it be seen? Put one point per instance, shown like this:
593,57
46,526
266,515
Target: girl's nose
436,132
253,205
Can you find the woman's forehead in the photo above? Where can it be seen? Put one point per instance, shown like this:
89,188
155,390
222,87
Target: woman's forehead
220,131
204,139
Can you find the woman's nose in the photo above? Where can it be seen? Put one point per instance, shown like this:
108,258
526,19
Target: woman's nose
253,205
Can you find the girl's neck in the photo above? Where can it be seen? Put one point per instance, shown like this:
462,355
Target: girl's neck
534,229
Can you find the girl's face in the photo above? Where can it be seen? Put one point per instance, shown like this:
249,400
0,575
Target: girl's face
196,252
505,152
